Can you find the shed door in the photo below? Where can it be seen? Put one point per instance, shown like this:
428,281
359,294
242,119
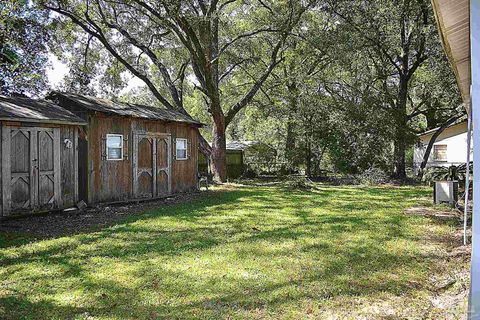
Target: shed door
151,165
31,169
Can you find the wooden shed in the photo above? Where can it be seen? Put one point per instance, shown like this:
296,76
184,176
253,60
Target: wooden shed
249,155
131,151
38,168
243,156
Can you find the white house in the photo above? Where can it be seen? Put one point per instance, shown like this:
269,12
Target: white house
450,147
459,26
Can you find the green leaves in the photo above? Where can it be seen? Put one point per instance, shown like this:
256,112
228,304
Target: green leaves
9,56
23,51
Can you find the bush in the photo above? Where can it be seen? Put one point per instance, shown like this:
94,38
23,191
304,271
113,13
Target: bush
451,173
299,183
372,176
249,173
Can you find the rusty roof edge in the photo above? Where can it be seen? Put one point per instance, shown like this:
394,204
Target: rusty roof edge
67,116
67,95
66,122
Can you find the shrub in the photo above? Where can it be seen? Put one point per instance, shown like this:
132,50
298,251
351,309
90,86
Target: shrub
299,183
249,173
372,176
446,173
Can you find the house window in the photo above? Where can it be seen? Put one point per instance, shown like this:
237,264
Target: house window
440,152
181,149
114,147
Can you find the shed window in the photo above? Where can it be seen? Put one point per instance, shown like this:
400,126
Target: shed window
181,149
440,152
114,147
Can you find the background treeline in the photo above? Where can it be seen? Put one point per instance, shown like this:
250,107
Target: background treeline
342,86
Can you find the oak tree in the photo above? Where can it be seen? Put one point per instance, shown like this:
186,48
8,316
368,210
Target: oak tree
206,43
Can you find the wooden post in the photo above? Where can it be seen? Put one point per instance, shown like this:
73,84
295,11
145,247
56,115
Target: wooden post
134,165
75,165
6,172
154,167
169,163
57,170
34,167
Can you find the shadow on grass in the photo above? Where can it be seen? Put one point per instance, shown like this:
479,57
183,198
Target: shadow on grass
336,248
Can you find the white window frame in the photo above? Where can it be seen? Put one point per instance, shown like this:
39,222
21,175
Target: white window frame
176,148
110,135
435,153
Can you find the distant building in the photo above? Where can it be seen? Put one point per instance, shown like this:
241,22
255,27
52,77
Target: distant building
243,155
450,147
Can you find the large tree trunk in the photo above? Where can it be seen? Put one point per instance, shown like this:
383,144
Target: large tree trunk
400,143
218,156
290,143
400,147
308,148
292,89
191,26
308,159
291,132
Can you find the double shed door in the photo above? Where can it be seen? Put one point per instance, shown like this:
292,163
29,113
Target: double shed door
30,169
152,165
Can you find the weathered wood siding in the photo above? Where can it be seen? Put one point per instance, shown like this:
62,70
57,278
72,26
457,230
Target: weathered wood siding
69,165
110,181
235,165
46,155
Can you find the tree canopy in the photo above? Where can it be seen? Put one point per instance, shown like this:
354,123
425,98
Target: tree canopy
24,33
383,80
333,85
213,42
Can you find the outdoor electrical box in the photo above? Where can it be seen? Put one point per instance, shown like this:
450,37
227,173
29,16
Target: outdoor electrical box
445,192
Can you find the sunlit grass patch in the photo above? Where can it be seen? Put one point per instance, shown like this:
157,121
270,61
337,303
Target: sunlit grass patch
245,252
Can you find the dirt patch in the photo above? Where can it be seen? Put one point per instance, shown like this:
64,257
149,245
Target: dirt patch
450,296
72,222
442,214
449,290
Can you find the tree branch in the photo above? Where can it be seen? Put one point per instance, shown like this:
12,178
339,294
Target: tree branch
253,90
242,36
153,57
98,34
376,43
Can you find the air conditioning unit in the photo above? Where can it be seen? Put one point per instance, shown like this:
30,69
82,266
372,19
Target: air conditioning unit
445,192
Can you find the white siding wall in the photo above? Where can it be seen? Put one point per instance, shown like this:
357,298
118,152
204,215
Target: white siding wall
454,137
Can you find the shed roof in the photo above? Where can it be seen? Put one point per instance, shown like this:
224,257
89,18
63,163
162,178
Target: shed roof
241,145
90,103
32,110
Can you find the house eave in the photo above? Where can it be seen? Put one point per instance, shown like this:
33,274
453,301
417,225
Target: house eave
453,20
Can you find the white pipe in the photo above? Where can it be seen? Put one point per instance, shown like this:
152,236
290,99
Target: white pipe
467,174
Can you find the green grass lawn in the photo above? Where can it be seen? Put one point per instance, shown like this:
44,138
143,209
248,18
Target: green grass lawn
235,253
